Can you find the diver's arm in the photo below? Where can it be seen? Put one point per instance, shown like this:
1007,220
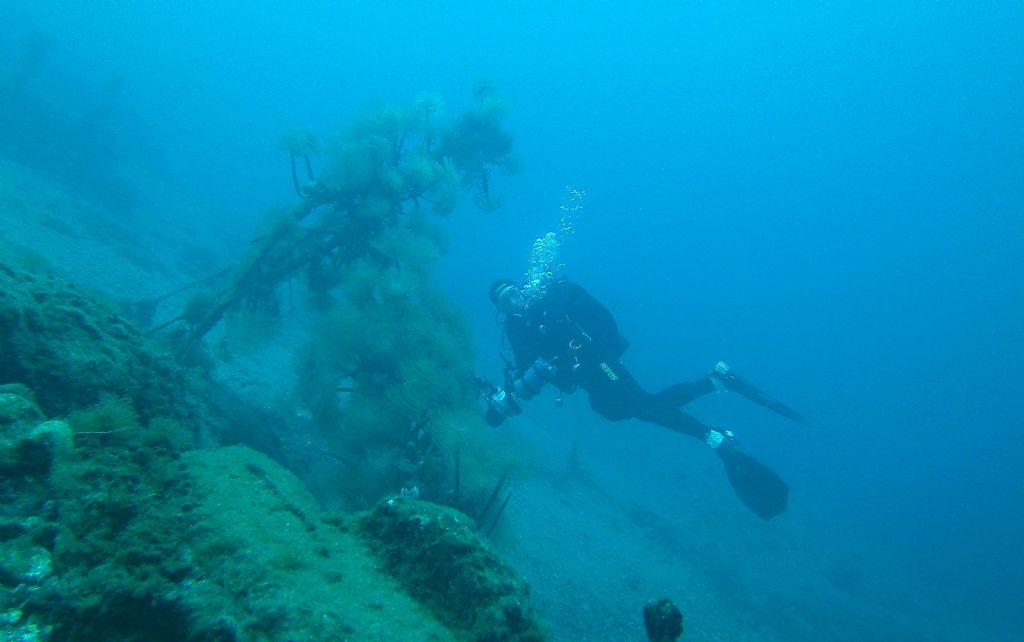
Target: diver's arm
524,352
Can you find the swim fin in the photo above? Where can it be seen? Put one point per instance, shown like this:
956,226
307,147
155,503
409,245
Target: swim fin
728,379
755,484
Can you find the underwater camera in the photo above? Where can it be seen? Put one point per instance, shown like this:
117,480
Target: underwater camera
502,403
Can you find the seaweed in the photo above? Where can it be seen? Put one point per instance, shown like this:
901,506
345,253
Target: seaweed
387,168
385,374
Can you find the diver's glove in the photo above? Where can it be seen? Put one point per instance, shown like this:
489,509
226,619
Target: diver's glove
720,438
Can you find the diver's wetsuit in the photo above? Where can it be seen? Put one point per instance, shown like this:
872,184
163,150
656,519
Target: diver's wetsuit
571,330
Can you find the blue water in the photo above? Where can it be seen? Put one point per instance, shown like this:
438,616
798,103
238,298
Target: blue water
831,198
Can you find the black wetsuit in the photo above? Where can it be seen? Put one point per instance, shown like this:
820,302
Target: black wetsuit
572,330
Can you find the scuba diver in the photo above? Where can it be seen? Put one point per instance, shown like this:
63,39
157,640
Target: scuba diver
565,337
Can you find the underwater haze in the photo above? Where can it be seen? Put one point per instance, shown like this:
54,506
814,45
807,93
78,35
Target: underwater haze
828,196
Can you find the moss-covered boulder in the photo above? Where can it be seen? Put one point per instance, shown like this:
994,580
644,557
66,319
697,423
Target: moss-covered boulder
71,349
115,527
440,558
130,534
17,405
29,448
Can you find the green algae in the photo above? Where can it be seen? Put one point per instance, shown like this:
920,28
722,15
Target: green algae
71,349
437,553
294,575
130,535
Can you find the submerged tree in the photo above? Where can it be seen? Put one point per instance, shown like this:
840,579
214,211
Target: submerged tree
389,169
386,370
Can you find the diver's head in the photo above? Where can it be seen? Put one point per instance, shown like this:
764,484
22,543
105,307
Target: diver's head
506,296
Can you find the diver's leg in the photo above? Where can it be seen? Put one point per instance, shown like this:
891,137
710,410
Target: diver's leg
683,393
616,395
654,410
757,486
647,407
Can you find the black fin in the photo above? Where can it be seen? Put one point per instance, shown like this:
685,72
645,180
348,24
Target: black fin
755,484
743,387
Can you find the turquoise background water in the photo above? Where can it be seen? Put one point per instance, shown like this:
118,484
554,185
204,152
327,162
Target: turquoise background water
827,196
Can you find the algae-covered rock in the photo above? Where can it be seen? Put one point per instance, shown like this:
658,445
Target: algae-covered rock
113,528
220,545
27,447
436,552
15,408
71,349
126,536
271,561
